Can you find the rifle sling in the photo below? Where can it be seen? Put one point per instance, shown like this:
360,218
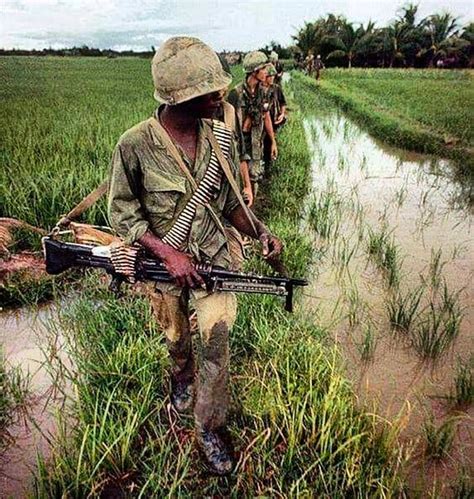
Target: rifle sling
85,204
172,149
230,177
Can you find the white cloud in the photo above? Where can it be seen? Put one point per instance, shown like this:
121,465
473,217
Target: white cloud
243,24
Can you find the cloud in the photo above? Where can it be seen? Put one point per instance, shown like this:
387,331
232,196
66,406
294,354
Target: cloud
224,24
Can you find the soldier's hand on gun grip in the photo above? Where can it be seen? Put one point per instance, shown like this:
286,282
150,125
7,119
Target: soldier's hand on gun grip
271,245
274,150
181,268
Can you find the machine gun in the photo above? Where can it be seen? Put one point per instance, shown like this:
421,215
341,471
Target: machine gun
130,264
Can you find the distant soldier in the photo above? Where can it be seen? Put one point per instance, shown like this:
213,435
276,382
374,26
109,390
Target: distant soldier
309,63
318,65
252,108
277,109
277,65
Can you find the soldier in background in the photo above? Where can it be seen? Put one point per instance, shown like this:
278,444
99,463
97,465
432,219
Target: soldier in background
277,109
277,65
252,108
318,66
309,63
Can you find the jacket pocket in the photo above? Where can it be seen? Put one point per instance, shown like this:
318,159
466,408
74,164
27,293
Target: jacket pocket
162,192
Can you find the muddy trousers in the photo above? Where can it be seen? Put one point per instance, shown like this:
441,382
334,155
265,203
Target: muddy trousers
215,315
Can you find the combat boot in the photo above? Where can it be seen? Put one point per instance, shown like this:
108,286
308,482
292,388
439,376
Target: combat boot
217,451
182,395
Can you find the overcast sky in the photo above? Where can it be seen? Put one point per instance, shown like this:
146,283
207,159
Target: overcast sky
224,24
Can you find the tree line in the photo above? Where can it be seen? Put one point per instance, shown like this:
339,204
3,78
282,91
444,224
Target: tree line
436,40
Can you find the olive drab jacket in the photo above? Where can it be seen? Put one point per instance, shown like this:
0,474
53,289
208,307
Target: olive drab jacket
254,106
148,190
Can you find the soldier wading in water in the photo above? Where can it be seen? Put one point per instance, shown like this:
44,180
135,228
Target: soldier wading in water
169,191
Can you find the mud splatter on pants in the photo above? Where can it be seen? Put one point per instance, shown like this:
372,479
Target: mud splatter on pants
215,314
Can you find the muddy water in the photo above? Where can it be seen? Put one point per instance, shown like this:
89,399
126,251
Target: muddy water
412,197
27,337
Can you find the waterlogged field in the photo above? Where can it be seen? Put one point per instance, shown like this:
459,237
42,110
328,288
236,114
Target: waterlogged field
295,421
425,110
394,285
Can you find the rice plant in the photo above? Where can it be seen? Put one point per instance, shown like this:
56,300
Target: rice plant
367,346
403,309
463,487
436,331
14,392
385,253
436,268
438,438
325,213
463,393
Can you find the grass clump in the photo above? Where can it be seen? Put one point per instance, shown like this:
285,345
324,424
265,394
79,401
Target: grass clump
385,253
325,213
438,439
14,391
463,393
403,309
368,344
439,326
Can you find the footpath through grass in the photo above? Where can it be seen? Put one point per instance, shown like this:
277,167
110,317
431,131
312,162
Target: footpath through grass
294,420
428,111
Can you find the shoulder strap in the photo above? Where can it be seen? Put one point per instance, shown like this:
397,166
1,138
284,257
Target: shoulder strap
163,134
230,177
229,115
86,203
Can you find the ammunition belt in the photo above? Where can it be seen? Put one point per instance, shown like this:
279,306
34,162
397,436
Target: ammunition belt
205,191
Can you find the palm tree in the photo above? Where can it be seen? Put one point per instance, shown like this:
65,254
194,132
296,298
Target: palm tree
402,39
442,38
349,42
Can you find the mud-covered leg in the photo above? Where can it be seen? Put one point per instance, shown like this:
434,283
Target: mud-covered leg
216,315
171,313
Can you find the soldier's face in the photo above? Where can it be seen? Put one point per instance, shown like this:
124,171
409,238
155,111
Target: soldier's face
261,74
207,105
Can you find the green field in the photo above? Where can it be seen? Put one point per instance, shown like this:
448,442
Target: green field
296,422
424,110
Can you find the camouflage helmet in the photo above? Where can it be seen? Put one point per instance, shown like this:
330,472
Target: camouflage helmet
184,68
273,56
254,61
271,71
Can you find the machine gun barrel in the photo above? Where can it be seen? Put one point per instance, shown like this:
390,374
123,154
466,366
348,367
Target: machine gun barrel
61,256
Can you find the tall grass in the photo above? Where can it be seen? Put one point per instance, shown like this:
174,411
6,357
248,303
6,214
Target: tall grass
295,420
58,133
14,392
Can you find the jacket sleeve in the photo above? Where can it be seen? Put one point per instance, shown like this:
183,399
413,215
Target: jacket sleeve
124,208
